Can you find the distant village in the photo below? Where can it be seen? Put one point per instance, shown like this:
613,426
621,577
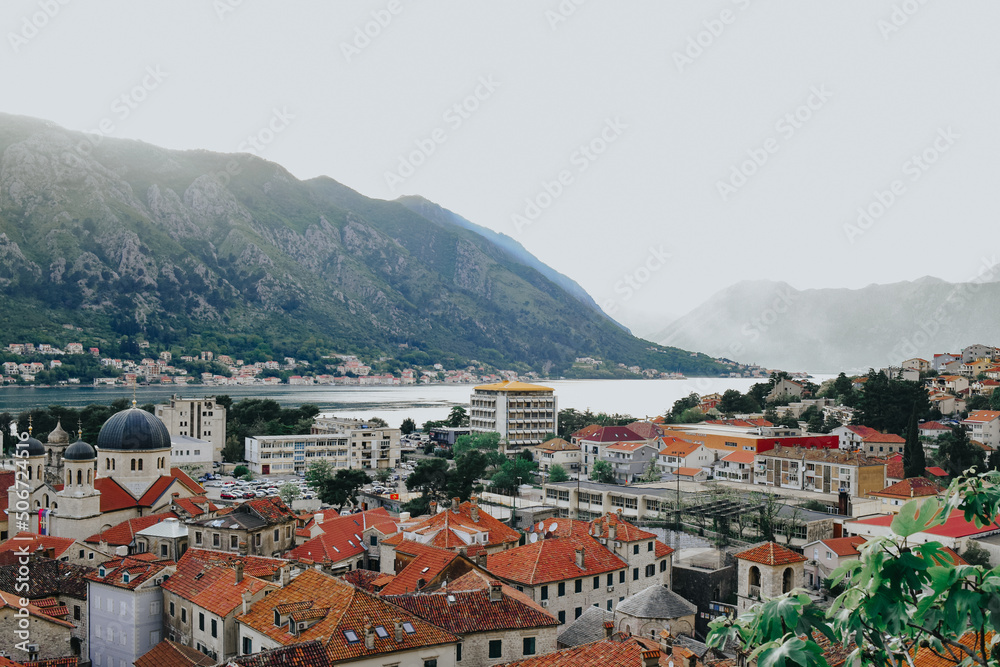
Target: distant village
617,544
339,369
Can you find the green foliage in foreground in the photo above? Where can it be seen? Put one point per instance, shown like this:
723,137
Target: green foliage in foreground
899,597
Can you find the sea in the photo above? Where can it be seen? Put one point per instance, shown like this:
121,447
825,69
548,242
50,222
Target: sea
423,402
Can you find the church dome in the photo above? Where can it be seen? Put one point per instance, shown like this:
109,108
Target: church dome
58,436
79,451
35,448
133,430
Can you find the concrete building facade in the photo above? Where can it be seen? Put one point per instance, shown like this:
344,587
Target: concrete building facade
523,414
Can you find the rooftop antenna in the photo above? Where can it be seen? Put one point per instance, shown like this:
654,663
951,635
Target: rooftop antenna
133,392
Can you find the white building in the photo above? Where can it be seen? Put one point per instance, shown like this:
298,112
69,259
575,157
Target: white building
200,418
344,443
523,414
193,455
984,426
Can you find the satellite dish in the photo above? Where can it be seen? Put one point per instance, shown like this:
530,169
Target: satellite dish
553,527
541,525
533,538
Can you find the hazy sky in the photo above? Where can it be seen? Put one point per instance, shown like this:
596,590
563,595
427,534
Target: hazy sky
684,145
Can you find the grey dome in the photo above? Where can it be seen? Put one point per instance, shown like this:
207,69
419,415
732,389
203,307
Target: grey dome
133,430
35,448
58,436
79,451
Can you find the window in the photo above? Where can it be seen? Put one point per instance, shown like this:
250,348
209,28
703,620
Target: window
277,534
529,646
247,646
611,578
351,636
215,628
609,605
562,617
164,550
431,662
216,540
650,570
635,573
649,547
234,542
197,537
621,577
562,588
597,582
154,637
201,621
829,555
578,587
374,542
155,608
545,592
76,612
496,648
184,615
635,549
171,608
663,565
458,652
577,612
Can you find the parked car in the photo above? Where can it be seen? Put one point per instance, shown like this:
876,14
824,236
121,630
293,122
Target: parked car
249,494
228,495
214,483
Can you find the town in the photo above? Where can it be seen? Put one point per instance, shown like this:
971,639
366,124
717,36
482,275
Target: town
513,533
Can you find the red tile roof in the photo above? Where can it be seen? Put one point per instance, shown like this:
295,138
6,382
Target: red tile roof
498,533
7,478
186,480
894,467
343,536
624,531
955,526
863,431
933,426
341,607
687,472
914,487
304,654
208,578
613,434
270,509
662,549
626,446
196,505
140,569
676,447
739,457
427,563
32,542
845,546
553,559
771,553
171,654
982,416
647,430
619,651
586,431
124,533
885,437
937,471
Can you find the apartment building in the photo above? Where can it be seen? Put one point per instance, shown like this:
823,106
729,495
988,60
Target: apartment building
675,453
984,427
823,471
344,443
200,418
523,414
557,452
594,439
724,438
629,460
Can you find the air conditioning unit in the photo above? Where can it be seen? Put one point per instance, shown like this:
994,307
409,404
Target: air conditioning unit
618,545
604,540
611,588
545,603
32,648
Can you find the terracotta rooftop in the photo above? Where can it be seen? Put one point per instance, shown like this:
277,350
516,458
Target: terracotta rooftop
845,546
342,628
172,654
124,533
304,654
739,457
913,487
46,577
770,553
553,559
624,531
207,578
498,533
613,434
677,447
619,651
626,446
343,536
12,600
31,542
138,569
423,561
558,445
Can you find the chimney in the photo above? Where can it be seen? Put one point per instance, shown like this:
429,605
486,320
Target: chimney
246,601
579,558
243,548
404,516
174,496
496,591
238,566
612,532
286,576
481,560
421,582
666,642
399,631
474,501
434,507
651,658
369,634
609,628
454,505
318,517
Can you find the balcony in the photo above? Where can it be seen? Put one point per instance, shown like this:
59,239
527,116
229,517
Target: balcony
754,591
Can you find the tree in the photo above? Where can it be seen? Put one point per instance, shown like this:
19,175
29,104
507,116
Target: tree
602,472
240,471
512,473
382,475
976,555
408,426
557,473
690,416
995,400
487,443
342,487
318,473
379,422
956,452
463,481
430,477
977,402
903,598
914,461
288,493
458,417
651,473
885,404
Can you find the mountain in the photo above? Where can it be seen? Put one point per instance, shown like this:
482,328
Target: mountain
202,250
829,330
518,252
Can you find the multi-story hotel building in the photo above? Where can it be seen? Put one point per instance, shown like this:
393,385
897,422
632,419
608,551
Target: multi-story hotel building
345,443
200,418
523,414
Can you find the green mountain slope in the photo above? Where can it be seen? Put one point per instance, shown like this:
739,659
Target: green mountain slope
194,248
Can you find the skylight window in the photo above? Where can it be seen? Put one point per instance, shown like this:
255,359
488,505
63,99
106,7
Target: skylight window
410,630
351,636
424,570
451,598
381,631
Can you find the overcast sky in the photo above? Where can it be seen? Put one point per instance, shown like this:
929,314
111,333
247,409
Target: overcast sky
685,145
